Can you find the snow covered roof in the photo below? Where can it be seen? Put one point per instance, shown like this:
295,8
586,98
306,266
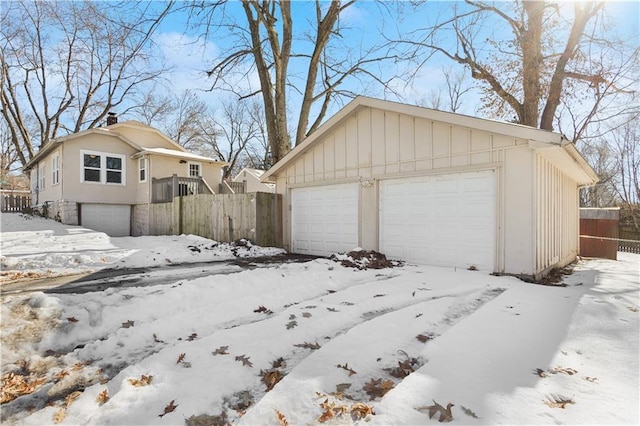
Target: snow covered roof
178,154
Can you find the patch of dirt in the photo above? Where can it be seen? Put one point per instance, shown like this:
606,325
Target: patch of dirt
364,259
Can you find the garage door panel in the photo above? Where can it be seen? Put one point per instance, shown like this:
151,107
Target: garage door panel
324,219
446,220
112,219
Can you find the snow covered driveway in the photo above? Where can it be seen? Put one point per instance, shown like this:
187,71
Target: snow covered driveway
306,343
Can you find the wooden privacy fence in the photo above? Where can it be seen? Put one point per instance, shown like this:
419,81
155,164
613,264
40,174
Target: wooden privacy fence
221,217
14,202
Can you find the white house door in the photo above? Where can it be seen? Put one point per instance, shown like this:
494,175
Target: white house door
441,220
112,219
324,219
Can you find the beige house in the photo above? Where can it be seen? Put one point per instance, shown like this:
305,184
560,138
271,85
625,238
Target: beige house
251,178
432,187
105,178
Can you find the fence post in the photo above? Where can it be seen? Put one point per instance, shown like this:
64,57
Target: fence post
174,186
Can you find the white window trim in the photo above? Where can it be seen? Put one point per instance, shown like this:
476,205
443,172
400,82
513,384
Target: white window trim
195,163
103,167
55,168
42,170
144,161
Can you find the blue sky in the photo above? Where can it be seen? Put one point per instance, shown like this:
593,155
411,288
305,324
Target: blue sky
190,56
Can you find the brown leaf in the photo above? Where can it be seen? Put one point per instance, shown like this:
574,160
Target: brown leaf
72,397
404,368
556,401
155,339
168,409
568,371
279,363
306,315
307,345
346,368
181,358
445,413
16,385
142,381
222,350
245,360
282,420
591,379
377,388
103,397
72,319
127,324
262,309
360,410
271,378
192,337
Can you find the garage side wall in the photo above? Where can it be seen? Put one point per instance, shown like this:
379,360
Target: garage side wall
373,144
557,217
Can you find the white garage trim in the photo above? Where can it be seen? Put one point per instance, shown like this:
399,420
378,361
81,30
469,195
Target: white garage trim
324,219
442,220
112,219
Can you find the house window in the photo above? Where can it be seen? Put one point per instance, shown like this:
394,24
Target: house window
55,169
195,170
142,164
101,167
41,172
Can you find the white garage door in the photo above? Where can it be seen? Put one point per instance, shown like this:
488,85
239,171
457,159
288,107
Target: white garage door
324,219
443,220
112,219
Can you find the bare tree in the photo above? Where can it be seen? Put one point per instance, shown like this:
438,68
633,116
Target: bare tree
65,65
544,59
456,86
267,42
239,127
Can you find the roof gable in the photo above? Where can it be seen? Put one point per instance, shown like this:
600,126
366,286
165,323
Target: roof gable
361,102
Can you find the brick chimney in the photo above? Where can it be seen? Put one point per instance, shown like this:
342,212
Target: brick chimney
112,118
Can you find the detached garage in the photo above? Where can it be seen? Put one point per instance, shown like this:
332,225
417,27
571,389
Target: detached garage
435,188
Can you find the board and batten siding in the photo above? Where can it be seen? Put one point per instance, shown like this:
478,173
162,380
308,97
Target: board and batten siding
557,216
374,143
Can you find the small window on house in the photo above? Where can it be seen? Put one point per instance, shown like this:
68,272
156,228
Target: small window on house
55,169
114,169
194,170
143,169
100,167
41,172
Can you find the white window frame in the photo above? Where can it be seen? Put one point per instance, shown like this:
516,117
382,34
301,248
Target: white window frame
42,169
103,168
55,168
142,167
194,163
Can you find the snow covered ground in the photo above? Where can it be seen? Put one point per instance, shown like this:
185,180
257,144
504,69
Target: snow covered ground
308,343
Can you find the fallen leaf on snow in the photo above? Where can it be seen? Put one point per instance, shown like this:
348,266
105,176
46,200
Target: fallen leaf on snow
169,408
377,388
103,397
556,401
142,381
308,345
291,324
222,350
245,360
127,324
282,420
347,369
